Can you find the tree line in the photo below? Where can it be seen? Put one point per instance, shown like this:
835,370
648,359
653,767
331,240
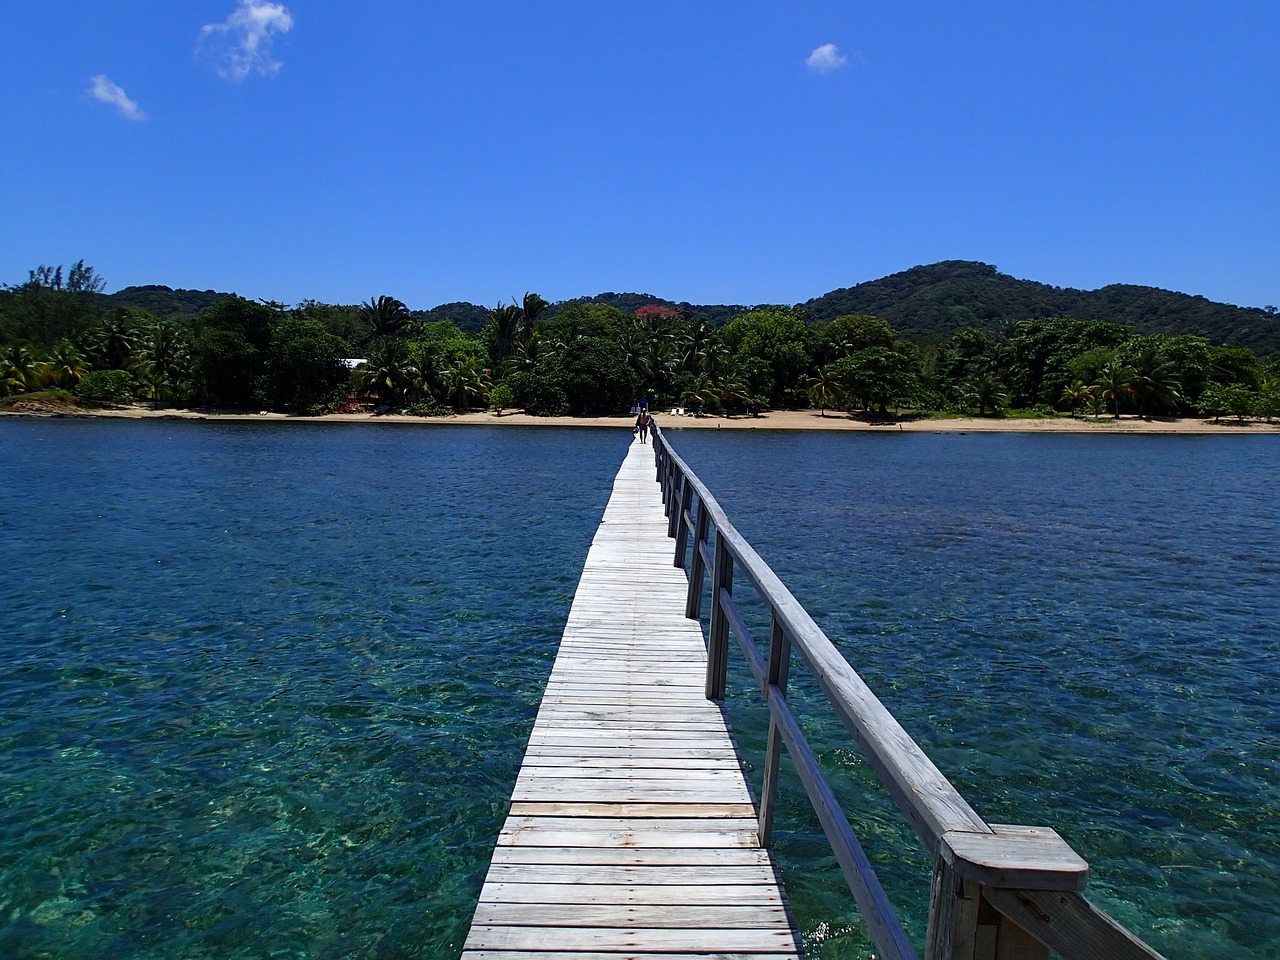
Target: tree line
592,358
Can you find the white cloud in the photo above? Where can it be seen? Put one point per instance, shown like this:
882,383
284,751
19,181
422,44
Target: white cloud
241,45
102,89
826,58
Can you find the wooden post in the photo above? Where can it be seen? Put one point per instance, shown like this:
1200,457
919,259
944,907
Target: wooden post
697,566
775,676
682,527
673,502
963,925
718,633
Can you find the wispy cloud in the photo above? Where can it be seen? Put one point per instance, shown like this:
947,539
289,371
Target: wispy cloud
826,58
102,89
241,44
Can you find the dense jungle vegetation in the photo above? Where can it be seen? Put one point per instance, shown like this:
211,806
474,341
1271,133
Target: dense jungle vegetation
953,337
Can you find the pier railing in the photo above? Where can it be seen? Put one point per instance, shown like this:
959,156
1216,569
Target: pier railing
998,892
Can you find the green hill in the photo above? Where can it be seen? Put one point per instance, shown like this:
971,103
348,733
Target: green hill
165,301
931,302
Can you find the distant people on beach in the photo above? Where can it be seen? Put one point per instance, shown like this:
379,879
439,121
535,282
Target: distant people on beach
642,423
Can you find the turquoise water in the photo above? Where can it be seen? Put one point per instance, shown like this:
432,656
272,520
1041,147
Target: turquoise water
267,686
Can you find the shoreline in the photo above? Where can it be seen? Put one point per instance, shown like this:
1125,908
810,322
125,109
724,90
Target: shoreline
774,420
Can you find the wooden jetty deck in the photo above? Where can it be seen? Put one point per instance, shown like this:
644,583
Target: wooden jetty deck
632,832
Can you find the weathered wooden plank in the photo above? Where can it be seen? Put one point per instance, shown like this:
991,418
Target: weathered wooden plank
655,916
704,858
620,955
631,894
714,942
631,808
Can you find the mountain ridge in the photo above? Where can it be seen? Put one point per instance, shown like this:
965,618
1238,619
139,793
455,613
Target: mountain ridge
928,302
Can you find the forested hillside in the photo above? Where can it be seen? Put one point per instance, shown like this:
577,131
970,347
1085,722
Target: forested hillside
932,302
953,337
165,301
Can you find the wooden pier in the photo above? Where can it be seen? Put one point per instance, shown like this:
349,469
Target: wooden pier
631,830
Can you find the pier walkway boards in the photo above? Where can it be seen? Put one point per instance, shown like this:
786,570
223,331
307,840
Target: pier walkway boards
631,831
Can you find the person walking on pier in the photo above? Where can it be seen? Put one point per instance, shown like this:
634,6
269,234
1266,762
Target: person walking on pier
642,423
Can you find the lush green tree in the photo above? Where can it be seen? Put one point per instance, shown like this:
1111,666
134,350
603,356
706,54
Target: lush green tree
504,331
876,378
167,361
305,368
52,305
1114,384
847,334
778,338
986,392
593,375
112,342
1235,365
19,369
228,369
825,389
107,386
1190,356
1041,354
532,308
538,393
1269,397
63,366
501,396
389,374
343,321
384,317
1075,394
1155,380
1238,399
465,382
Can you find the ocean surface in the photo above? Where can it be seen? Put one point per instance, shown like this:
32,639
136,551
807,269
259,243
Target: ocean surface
266,686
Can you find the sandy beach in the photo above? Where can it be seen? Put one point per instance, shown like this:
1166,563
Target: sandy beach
774,420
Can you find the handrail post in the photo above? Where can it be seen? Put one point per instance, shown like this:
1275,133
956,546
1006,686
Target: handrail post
718,632
963,923
697,566
776,677
682,526
673,502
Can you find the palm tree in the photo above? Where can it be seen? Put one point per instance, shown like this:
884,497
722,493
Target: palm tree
1113,383
19,368
825,389
1074,394
386,316
531,308
505,325
986,391
1155,378
465,381
389,373
63,366
113,340
168,360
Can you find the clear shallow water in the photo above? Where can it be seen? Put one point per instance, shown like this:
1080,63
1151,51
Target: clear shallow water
266,687
266,690
1081,631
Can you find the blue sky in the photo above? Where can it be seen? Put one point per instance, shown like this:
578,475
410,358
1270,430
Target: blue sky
744,152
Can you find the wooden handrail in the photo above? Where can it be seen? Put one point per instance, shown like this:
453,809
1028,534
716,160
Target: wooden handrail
998,892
